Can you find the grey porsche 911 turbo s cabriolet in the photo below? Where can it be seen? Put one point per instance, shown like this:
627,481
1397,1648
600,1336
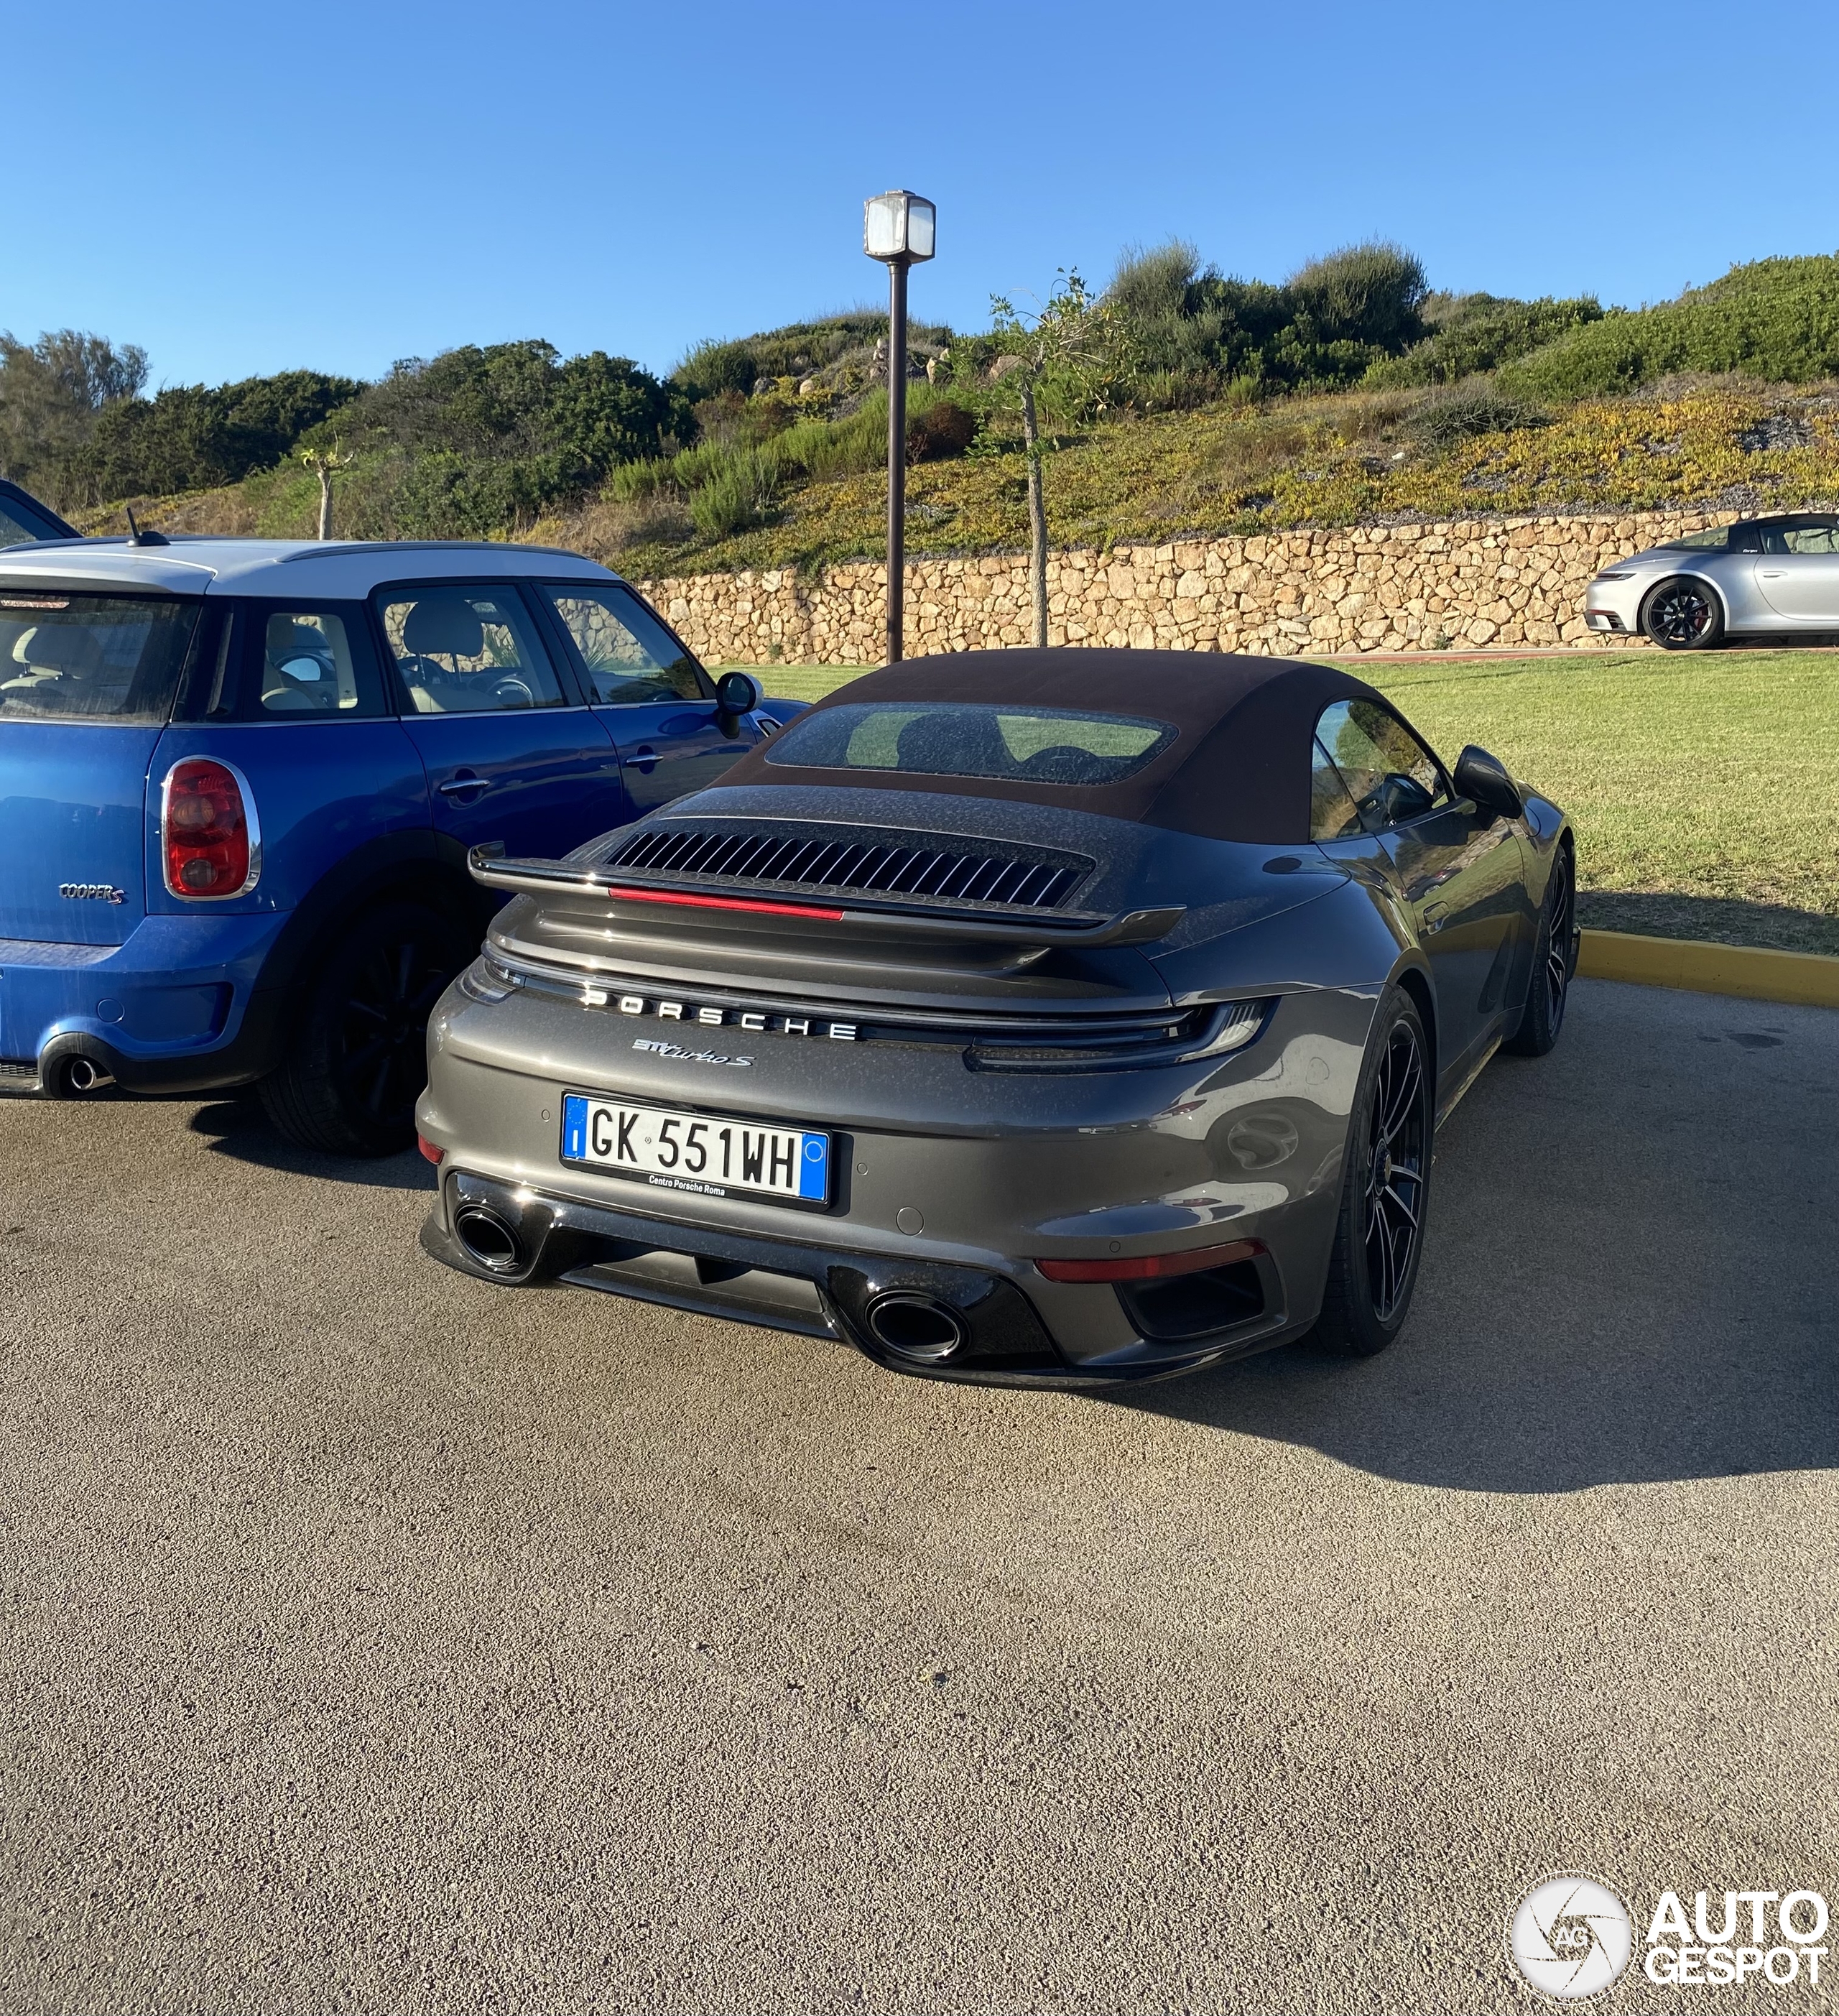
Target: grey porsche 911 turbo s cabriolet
1053,1017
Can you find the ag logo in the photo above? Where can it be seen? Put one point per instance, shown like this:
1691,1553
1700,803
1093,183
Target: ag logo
1571,1937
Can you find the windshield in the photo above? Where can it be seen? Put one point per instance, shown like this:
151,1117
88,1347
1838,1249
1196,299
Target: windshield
1713,539
90,657
1028,745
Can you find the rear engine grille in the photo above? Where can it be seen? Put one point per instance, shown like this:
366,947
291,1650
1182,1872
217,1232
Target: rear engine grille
941,868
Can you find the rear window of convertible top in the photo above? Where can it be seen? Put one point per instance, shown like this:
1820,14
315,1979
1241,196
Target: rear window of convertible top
937,739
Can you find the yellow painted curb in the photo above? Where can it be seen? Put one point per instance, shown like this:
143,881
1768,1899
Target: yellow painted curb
1808,979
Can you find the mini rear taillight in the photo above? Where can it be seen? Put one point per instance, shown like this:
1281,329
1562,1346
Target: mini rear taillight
1152,1267
210,844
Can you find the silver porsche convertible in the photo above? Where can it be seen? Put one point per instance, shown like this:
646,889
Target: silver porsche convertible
1066,1017
1759,578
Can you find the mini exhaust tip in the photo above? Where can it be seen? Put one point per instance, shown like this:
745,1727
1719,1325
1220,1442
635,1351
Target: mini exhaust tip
916,1326
489,1240
78,1076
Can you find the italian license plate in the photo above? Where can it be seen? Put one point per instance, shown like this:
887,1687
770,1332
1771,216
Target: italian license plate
698,1152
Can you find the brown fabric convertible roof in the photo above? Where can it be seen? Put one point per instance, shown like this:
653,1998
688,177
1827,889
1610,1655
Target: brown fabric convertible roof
1237,769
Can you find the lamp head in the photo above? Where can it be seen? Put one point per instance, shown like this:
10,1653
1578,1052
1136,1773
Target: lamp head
899,226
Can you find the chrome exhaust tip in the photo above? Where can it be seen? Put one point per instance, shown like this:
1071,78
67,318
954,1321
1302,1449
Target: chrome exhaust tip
488,1240
918,1328
76,1077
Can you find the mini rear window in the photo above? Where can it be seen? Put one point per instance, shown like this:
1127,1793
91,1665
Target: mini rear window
1017,744
90,657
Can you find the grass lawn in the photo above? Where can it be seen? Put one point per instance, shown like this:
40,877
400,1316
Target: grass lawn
1705,791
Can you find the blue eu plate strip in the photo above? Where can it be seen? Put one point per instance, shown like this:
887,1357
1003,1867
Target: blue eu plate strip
574,1127
814,1167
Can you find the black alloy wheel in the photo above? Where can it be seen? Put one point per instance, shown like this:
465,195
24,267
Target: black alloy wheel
1378,1237
358,1059
1394,1176
1554,961
1683,615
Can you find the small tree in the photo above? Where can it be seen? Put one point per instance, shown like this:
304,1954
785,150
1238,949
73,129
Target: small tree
1059,361
322,461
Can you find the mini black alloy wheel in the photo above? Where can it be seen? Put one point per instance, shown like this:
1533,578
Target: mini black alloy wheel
357,1061
378,1066
1395,1174
1683,615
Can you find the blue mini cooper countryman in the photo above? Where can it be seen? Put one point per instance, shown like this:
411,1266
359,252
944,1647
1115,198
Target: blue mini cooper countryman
238,779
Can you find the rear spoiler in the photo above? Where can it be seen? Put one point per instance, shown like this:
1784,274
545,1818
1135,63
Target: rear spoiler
640,903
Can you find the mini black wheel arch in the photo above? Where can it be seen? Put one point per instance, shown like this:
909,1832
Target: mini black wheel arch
408,867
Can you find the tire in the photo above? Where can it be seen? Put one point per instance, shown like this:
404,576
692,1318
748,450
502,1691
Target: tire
1684,615
357,1060
1554,963
1379,1232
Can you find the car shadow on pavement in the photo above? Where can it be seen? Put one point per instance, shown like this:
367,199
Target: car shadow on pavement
240,1129
1630,1273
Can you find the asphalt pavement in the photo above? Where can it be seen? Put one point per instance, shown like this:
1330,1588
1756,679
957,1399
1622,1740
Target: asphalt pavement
373,1639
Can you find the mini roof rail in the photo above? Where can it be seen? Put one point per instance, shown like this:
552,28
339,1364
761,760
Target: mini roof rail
314,551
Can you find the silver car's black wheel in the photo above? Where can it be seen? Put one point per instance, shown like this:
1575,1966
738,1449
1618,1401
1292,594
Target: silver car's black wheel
1378,1237
1554,960
1683,615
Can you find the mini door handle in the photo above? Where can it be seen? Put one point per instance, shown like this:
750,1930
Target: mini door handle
463,786
1436,916
645,759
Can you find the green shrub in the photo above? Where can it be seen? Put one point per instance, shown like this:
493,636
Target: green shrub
1190,335
1479,332
1776,319
1363,294
737,495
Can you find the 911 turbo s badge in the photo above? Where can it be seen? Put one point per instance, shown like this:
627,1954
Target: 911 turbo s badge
689,1056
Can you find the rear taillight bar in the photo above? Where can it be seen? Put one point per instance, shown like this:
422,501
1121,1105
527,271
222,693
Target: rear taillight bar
1153,1266
211,840
758,904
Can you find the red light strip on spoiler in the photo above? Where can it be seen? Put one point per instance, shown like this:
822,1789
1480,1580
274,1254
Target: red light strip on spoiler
624,895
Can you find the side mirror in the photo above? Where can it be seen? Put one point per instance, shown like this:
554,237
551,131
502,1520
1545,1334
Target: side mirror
736,693
1484,778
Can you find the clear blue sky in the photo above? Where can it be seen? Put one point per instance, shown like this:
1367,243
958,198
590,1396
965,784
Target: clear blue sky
245,188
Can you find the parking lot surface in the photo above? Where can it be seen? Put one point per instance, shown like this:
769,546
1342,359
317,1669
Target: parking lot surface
371,1638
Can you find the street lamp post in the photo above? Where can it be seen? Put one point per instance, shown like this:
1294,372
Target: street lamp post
900,229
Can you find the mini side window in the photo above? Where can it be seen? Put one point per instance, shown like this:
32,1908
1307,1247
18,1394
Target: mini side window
628,655
307,666
1393,777
467,648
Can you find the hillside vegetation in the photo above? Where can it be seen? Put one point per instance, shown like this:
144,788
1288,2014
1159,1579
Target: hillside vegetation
1351,391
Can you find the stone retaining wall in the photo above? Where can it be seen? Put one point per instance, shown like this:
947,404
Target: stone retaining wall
1394,588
